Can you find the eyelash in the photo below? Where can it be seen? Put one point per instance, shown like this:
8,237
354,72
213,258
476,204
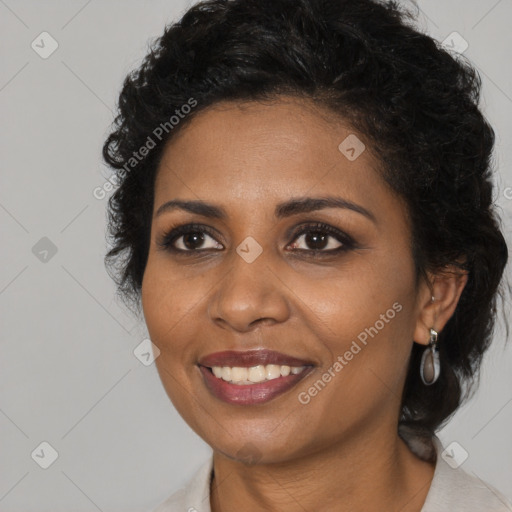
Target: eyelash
167,240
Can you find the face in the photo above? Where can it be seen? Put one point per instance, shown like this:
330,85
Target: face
332,286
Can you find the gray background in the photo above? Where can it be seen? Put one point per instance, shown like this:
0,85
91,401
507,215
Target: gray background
68,374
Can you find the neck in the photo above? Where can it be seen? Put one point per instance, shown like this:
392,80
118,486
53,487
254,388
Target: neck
370,472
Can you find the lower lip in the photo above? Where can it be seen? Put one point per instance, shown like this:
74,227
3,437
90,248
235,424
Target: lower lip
248,394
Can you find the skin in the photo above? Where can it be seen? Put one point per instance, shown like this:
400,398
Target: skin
340,451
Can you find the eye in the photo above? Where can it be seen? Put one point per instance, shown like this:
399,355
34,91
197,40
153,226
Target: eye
193,238
322,238
188,238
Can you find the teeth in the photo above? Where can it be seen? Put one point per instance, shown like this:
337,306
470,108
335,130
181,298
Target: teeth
260,373
255,374
237,374
226,373
273,371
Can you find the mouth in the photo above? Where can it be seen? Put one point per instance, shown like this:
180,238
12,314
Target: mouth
251,377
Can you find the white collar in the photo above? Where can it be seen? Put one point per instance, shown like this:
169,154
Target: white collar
451,489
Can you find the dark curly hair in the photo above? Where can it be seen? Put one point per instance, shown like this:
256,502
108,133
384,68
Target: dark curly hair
414,101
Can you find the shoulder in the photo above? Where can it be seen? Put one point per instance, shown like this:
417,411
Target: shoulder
173,503
194,496
455,490
461,491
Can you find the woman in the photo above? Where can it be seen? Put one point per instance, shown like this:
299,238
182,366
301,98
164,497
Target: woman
304,217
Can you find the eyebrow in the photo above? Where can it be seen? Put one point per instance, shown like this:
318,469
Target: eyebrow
286,209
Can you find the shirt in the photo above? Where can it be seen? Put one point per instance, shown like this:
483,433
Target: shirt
452,489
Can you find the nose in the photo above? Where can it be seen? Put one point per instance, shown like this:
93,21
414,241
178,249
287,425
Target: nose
252,294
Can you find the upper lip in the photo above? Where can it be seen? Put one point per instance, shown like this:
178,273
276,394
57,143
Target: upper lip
250,358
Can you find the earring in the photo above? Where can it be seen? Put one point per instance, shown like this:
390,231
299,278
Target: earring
430,366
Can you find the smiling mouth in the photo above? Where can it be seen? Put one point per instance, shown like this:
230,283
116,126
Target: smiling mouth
251,376
240,390
261,373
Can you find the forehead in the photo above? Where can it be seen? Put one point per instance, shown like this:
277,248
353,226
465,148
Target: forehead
252,153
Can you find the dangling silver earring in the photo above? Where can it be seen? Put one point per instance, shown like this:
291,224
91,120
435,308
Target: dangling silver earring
430,366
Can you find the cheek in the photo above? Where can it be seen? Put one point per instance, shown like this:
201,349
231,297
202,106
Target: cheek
363,314
167,303
168,311
347,299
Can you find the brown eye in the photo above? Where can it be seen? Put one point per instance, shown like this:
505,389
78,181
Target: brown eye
191,241
189,238
321,238
317,241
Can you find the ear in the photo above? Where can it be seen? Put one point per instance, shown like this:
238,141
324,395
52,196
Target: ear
437,301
